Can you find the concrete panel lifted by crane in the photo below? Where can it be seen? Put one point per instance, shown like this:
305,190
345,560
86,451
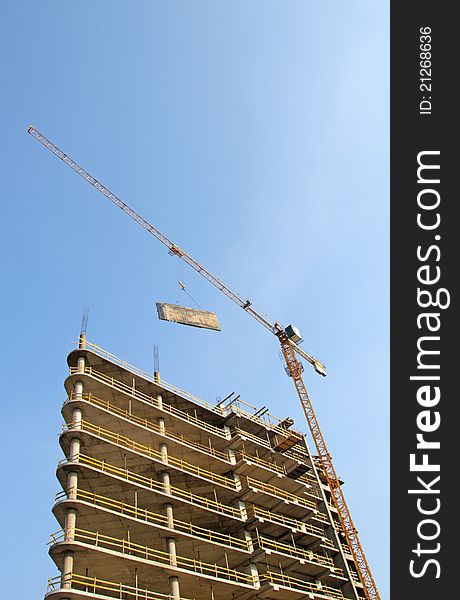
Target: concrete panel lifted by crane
188,316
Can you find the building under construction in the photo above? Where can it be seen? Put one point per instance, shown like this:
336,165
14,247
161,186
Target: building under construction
214,499
165,496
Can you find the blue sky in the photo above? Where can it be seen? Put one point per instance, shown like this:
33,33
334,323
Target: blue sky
255,135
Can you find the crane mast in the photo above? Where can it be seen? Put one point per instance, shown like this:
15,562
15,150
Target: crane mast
346,521
289,349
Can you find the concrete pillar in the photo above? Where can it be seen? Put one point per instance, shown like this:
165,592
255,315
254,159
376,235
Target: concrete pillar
164,452
166,482
228,432
171,546
74,450
242,506
77,390
248,538
252,570
81,364
70,523
76,418
159,399
161,425
169,514
72,485
67,569
174,591
238,481
231,455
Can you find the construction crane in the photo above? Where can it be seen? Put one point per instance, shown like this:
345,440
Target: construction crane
289,339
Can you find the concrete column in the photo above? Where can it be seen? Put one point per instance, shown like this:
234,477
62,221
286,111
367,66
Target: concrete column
252,570
159,399
81,364
169,514
248,538
70,523
166,482
77,390
238,481
171,546
67,569
231,455
228,432
76,418
161,425
242,506
174,591
72,485
74,449
164,452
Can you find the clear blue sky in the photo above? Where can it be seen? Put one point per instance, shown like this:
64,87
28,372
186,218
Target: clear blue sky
255,134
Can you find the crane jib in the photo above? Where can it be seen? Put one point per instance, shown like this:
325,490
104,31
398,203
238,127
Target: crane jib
173,248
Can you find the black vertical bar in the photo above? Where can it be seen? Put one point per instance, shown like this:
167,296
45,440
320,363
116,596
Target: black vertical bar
424,324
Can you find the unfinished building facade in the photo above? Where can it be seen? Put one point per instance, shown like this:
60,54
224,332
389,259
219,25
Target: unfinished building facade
165,496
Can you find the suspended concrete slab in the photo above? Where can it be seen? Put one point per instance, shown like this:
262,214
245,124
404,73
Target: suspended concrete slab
188,316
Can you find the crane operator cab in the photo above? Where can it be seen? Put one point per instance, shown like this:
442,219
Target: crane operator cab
293,334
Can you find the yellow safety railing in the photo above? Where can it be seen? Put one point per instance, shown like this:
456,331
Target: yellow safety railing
297,552
321,517
120,412
279,493
126,442
109,589
280,519
313,587
148,376
157,486
131,549
255,438
337,524
295,454
267,419
124,508
312,489
117,411
314,493
355,577
134,393
309,479
271,466
329,543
